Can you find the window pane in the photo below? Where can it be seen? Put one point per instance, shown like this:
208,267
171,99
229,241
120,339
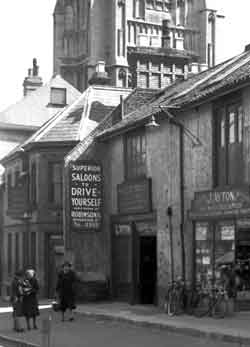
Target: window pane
55,186
232,126
10,254
58,96
240,124
17,251
222,132
135,155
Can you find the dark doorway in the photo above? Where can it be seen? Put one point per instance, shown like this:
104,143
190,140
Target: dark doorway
148,269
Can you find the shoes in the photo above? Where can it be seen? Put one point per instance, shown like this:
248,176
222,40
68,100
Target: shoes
71,319
35,327
19,330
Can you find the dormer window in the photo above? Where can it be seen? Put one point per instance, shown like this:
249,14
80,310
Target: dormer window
58,96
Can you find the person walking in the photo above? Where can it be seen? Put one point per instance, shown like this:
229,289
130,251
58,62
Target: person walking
65,289
30,300
16,300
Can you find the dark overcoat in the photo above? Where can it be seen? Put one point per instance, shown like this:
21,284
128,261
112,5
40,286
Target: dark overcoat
30,300
66,290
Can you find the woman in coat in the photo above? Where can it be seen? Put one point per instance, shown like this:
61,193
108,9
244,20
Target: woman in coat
16,300
30,301
65,289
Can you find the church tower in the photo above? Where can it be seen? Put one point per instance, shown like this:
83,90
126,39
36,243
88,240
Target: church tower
138,43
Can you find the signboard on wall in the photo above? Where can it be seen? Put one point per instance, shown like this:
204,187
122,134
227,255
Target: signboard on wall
134,197
86,199
224,203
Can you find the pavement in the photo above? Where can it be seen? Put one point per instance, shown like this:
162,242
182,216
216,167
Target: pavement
234,329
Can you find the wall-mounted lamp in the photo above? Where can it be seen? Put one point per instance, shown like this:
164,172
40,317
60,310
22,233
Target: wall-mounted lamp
152,123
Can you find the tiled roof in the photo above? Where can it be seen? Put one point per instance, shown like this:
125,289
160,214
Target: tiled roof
135,99
221,78
74,123
35,109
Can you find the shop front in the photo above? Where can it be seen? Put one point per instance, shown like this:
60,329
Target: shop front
221,221
134,253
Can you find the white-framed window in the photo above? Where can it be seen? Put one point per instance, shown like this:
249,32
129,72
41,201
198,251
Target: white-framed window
58,96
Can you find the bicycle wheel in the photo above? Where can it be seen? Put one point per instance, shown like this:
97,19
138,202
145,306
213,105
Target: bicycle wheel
172,304
203,307
220,308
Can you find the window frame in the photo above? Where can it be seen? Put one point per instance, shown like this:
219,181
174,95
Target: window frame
51,184
223,139
135,161
33,184
56,89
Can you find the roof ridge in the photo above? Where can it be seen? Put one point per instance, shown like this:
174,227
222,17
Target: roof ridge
207,77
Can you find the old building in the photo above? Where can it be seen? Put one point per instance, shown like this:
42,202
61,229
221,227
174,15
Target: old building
22,119
32,201
39,103
175,187
143,43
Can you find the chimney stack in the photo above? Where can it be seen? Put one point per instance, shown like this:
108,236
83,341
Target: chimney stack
32,81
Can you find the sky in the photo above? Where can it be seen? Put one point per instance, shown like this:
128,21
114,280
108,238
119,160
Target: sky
26,31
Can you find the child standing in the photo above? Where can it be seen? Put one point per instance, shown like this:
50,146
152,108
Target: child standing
16,300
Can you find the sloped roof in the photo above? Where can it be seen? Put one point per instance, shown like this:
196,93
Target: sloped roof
35,109
197,89
135,99
74,122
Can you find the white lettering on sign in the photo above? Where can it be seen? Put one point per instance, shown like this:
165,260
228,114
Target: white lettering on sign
86,196
223,197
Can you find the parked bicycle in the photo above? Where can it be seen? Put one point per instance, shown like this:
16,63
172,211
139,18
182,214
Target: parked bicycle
213,303
174,300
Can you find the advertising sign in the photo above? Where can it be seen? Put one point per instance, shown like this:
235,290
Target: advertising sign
225,203
86,196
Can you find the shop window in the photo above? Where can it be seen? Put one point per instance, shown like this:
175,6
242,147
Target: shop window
135,155
55,183
229,149
33,185
214,246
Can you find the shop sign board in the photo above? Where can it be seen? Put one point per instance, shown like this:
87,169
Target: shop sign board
223,203
122,229
134,197
86,181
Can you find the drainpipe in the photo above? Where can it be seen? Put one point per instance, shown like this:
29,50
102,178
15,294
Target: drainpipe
182,206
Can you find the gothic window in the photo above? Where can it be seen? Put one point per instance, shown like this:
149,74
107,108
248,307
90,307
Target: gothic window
139,8
69,18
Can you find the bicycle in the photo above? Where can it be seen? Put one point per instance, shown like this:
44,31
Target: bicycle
213,303
174,298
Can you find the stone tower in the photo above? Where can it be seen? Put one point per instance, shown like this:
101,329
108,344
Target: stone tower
145,43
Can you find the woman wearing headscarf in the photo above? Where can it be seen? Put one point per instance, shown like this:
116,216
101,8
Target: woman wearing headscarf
65,289
30,300
16,300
